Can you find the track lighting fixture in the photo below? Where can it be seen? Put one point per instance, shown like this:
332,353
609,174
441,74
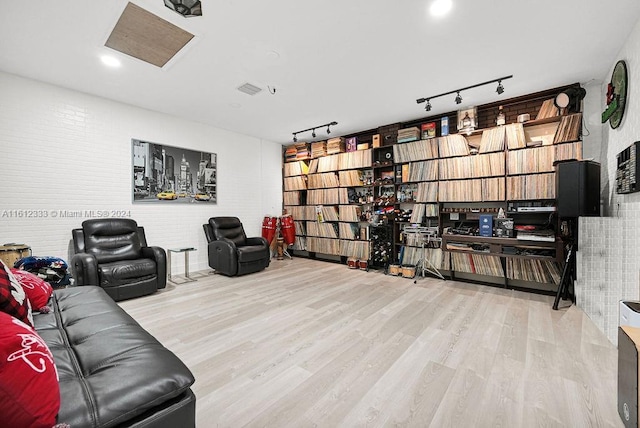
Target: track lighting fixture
458,99
313,130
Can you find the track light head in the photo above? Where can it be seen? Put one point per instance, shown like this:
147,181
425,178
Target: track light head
295,138
428,106
458,98
500,88
328,129
313,132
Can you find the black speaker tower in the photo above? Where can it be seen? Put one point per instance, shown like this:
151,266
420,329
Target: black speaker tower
577,195
578,189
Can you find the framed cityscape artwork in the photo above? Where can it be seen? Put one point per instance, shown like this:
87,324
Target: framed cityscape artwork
172,175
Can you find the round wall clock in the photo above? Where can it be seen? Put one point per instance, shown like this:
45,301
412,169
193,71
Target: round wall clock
618,93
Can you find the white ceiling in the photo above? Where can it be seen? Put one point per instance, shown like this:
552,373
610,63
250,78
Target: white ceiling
361,63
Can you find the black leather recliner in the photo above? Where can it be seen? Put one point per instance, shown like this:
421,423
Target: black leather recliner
113,254
230,251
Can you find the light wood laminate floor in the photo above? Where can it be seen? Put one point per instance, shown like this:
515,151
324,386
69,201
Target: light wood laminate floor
308,343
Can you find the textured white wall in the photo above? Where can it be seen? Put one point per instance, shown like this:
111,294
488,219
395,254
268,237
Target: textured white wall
609,256
62,151
592,126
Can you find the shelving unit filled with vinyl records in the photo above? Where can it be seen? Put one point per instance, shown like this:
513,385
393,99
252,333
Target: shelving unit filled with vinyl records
417,166
328,197
531,252
426,174
294,196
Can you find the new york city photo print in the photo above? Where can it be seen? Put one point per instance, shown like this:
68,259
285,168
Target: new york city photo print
170,174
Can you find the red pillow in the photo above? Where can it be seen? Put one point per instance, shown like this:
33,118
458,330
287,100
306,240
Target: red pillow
13,299
29,388
37,289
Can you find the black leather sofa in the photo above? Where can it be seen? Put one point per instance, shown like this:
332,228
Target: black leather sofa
113,253
112,372
230,251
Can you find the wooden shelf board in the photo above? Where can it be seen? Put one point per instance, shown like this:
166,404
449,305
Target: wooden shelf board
511,256
512,242
528,123
530,173
534,122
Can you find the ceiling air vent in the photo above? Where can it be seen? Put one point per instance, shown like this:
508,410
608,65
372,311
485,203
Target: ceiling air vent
249,89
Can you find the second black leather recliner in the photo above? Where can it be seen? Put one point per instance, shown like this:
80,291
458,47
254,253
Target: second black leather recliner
230,251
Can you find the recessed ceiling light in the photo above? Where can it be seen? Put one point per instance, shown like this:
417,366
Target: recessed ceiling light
110,61
440,7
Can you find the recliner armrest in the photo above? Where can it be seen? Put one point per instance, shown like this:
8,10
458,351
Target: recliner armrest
226,246
229,242
84,268
159,256
258,240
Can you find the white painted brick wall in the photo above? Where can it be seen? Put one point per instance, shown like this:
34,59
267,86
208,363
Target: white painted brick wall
609,257
62,150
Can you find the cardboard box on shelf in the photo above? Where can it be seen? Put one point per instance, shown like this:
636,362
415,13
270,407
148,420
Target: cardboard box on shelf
376,140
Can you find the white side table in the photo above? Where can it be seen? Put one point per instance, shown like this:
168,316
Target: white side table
186,251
